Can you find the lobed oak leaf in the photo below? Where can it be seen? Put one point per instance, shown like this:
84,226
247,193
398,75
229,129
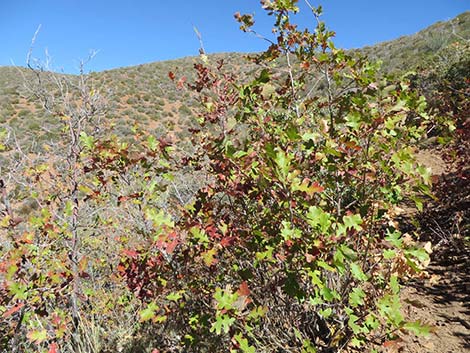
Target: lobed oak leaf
227,241
37,336
243,289
209,257
315,187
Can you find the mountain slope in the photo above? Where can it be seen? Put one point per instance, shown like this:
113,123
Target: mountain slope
146,95
406,52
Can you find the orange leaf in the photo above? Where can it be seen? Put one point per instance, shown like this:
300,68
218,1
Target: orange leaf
12,310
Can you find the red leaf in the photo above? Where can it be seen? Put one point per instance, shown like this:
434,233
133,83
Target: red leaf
53,348
316,187
171,75
170,247
244,290
394,346
212,231
181,82
130,253
227,241
12,310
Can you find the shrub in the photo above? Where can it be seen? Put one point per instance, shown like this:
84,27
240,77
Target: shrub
289,246
272,235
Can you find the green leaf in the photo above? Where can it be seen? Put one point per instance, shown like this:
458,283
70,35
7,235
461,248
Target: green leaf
37,336
352,324
149,312
315,277
239,154
289,233
356,297
353,221
357,272
225,298
209,257
222,323
353,120
87,140
159,220
325,266
326,312
389,254
258,312
263,77
395,239
68,208
18,290
317,217
199,235
175,296
152,143
348,253
390,308
418,253
357,342
244,346
417,328
292,133
283,162
394,285
372,322
329,294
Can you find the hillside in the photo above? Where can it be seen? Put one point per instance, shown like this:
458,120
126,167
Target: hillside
407,52
145,94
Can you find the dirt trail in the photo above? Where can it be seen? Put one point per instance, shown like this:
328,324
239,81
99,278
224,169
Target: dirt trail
442,300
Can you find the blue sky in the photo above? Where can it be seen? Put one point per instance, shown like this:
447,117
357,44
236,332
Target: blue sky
130,32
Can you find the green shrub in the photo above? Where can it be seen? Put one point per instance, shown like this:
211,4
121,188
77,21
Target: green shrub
273,233
288,247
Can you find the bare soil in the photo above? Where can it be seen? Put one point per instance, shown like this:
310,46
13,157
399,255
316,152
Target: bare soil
442,299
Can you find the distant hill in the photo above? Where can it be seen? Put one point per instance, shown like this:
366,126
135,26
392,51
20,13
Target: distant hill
406,52
146,95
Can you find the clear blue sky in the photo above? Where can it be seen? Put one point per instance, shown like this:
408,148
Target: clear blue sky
130,32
